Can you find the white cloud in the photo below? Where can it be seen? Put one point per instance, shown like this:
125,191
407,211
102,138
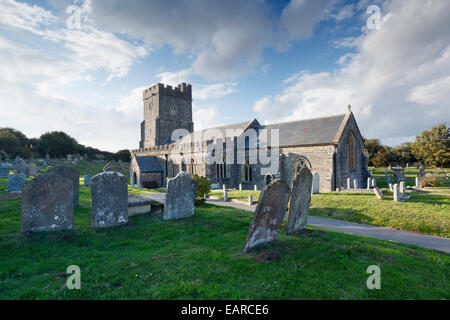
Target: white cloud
396,69
206,118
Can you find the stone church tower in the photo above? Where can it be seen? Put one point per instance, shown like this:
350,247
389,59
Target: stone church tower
166,109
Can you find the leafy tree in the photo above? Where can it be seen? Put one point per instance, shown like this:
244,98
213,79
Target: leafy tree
432,147
372,146
123,155
380,159
57,144
14,143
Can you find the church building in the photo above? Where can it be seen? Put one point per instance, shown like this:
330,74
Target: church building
330,146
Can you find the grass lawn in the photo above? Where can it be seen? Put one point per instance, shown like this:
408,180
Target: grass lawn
425,213
201,258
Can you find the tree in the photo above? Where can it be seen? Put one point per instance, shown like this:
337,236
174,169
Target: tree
14,143
56,144
432,147
123,155
373,146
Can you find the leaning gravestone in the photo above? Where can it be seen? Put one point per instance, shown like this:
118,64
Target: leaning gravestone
109,194
73,175
316,183
15,182
378,193
180,197
33,169
300,200
87,180
47,204
269,214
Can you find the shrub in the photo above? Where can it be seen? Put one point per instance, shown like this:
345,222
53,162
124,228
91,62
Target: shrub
203,187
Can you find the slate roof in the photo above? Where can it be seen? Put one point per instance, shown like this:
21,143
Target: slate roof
148,164
318,131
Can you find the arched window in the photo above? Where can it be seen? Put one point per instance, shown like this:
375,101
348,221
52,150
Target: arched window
248,172
192,167
351,151
299,164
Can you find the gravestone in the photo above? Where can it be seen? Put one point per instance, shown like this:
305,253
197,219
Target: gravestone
87,180
4,172
316,183
349,184
391,187
402,189
250,200
225,195
15,182
69,157
355,184
109,192
396,191
23,168
180,197
300,201
255,188
369,183
374,182
73,175
378,193
421,171
33,169
269,214
47,204
417,182
240,186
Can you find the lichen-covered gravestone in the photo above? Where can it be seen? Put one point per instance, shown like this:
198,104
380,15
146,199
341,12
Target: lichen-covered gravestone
300,200
73,175
47,204
180,197
87,180
269,214
109,194
23,168
15,182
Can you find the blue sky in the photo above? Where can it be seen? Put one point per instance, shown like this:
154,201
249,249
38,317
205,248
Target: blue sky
270,60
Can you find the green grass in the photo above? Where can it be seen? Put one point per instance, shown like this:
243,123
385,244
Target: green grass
201,258
425,213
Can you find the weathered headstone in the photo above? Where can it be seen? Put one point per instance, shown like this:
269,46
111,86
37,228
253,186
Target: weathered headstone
250,200
378,193
47,204
240,186
73,175
417,182
225,195
33,169
349,184
316,183
180,197
374,182
255,188
109,192
355,184
87,180
4,172
300,201
15,182
369,183
269,214
69,157
421,171
402,188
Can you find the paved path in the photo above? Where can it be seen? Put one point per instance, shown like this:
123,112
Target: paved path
420,240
